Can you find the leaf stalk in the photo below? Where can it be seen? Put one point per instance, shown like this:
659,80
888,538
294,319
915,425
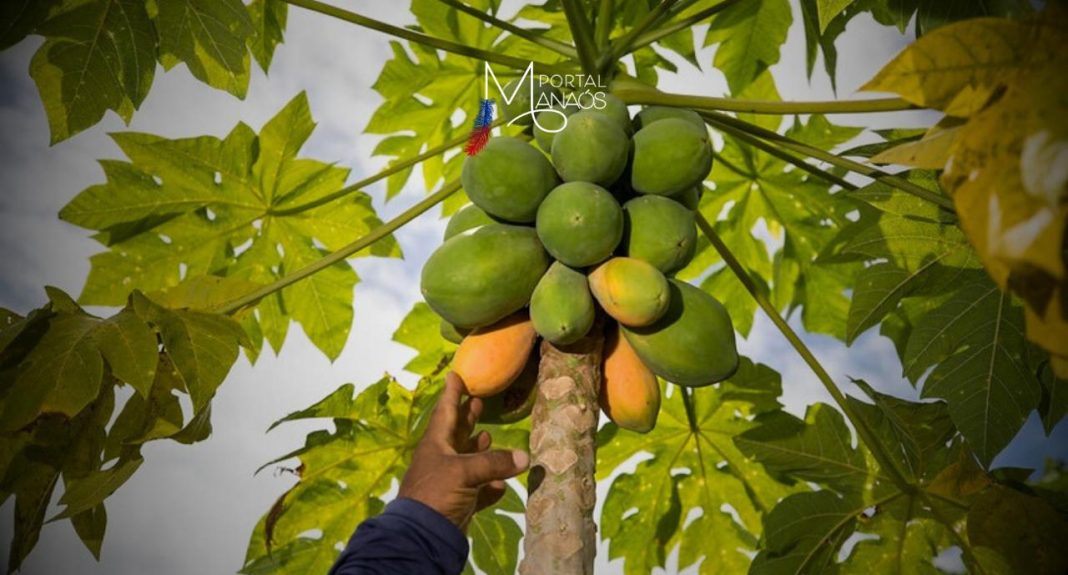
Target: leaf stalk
420,38
343,253
561,48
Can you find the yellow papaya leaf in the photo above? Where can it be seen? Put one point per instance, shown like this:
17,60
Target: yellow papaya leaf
969,100
929,153
973,54
1049,329
1007,172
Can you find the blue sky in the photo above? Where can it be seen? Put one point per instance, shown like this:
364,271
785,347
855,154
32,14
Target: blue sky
191,509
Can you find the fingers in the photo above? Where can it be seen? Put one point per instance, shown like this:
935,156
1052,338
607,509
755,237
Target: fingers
478,442
487,466
444,419
491,493
468,417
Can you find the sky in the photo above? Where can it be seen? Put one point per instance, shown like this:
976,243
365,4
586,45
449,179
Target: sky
191,508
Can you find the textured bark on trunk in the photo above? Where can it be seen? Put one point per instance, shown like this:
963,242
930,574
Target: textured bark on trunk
561,536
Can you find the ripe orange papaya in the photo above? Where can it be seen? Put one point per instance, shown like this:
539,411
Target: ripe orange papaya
630,290
630,394
492,357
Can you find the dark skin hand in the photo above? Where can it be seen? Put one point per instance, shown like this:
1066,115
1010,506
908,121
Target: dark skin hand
453,472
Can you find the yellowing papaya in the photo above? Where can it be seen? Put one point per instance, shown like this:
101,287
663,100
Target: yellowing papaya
692,344
491,358
630,394
632,291
480,276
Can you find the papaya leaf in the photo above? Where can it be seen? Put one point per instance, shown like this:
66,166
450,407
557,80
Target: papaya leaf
817,449
804,531
693,465
749,35
99,55
908,256
829,9
269,20
931,14
495,537
343,475
21,18
235,209
754,190
202,346
985,378
443,85
1034,544
1007,184
895,528
209,36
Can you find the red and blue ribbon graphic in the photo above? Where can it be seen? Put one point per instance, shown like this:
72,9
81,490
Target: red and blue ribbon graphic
481,132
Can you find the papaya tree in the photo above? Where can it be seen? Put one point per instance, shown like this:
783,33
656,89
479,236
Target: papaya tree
601,256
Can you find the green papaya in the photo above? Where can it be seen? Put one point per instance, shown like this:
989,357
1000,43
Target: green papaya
690,197
469,217
580,223
650,114
508,179
549,124
452,333
616,110
633,292
562,307
543,96
517,400
591,148
669,156
692,344
660,231
479,277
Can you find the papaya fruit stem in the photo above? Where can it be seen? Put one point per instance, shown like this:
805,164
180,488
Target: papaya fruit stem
561,535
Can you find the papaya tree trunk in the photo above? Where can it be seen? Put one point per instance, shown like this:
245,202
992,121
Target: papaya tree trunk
561,536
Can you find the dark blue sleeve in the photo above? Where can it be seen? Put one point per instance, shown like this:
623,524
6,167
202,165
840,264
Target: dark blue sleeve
408,537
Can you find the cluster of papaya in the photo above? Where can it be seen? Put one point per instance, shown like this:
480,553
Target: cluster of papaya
599,218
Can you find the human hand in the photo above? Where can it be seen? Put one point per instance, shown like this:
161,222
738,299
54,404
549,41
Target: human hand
453,472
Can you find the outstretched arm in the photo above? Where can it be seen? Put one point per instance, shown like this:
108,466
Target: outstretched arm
452,476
